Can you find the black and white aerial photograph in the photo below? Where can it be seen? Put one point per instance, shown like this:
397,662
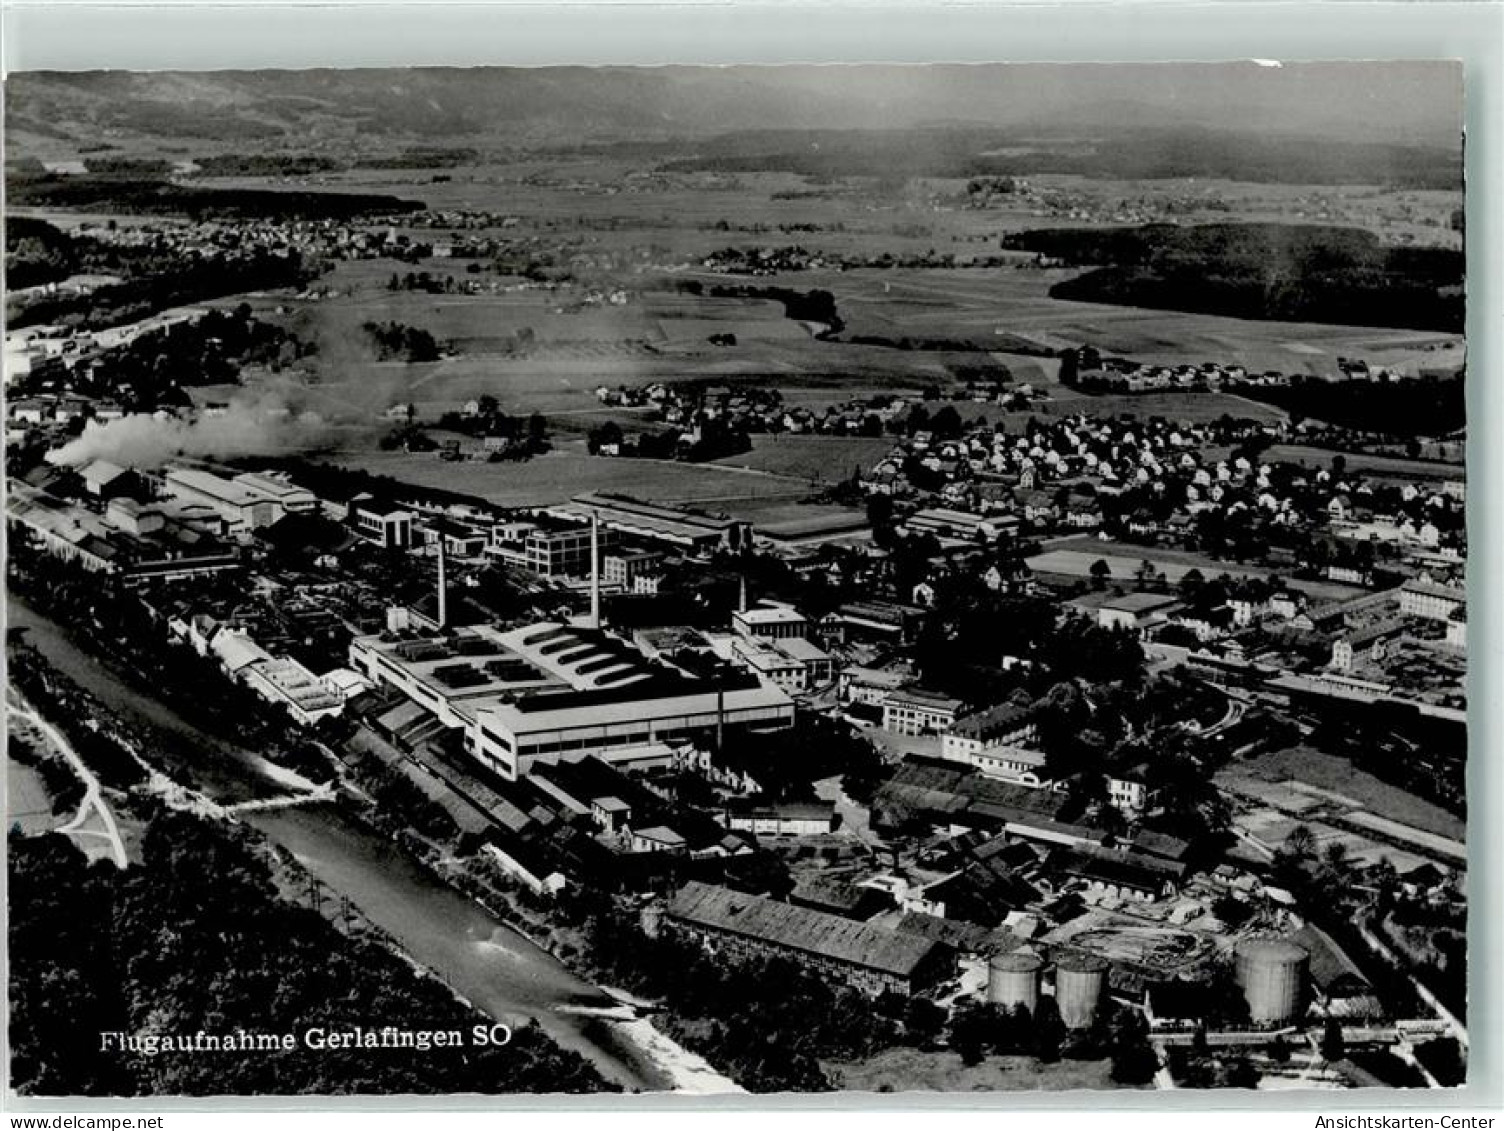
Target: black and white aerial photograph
716,580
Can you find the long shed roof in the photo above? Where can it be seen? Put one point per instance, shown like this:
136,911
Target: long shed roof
800,929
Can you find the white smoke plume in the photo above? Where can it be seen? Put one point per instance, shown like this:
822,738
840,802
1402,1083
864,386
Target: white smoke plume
244,428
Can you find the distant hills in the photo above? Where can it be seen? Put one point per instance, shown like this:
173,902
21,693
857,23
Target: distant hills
322,108
65,114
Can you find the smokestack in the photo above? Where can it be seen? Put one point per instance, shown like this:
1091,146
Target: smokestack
741,598
595,570
443,587
720,708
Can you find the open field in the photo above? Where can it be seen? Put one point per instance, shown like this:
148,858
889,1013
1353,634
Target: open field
1015,302
914,1070
558,476
662,335
769,501
28,805
588,187
655,235
1326,771
1124,562
1191,408
817,458
657,335
1369,465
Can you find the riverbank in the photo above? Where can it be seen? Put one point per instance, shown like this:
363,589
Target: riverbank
485,960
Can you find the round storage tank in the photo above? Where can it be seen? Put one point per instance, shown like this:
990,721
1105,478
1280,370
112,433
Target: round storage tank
1013,979
1271,973
1079,982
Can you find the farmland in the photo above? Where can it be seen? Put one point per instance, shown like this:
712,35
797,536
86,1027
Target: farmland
615,240
659,335
652,238
1015,302
815,458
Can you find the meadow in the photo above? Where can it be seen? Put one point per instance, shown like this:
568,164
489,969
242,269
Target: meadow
813,458
1381,466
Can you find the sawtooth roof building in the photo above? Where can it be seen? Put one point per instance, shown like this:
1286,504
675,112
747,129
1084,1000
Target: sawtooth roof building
549,690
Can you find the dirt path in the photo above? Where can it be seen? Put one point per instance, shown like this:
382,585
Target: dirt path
93,804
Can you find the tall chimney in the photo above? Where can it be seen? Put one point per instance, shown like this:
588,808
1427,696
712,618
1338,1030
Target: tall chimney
443,588
595,570
720,708
741,598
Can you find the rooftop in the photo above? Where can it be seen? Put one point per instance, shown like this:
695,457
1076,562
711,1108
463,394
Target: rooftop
774,614
800,929
1139,602
918,697
1431,589
207,483
992,721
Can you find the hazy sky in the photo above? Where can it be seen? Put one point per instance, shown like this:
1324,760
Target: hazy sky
1419,99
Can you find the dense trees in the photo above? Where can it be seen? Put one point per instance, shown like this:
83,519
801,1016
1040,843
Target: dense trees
154,277
1299,273
711,439
524,435
767,1024
402,342
789,762
803,306
120,628
36,253
961,648
196,937
154,369
1401,409
146,195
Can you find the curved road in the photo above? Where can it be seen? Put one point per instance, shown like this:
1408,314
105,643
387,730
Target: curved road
93,802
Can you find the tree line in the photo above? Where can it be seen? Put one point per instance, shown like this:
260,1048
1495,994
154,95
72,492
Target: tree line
1285,272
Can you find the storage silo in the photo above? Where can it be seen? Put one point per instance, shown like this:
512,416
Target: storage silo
1013,979
1271,972
1079,981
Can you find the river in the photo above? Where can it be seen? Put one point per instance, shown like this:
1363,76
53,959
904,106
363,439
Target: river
500,971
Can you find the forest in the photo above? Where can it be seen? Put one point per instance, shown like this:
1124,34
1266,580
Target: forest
196,937
153,277
1404,410
803,306
1131,154
137,195
1284,272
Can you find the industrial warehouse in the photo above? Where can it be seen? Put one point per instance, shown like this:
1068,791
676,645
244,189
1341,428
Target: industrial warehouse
871,959
551,690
